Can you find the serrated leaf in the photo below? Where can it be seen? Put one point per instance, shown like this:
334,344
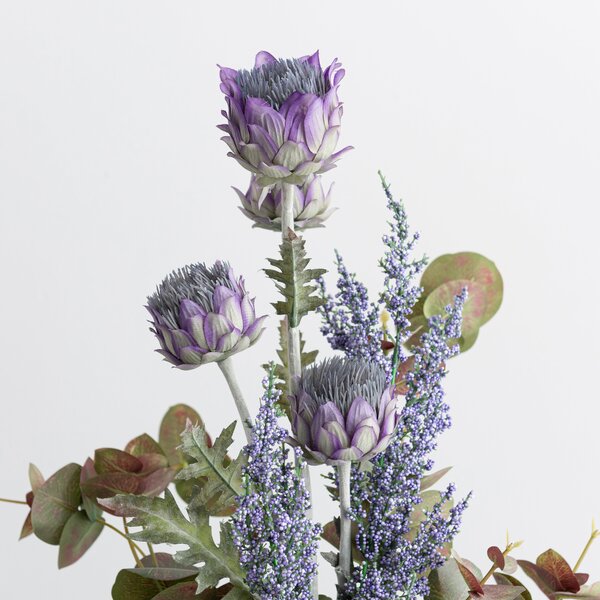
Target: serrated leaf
76,539
222,477
294,280
54,503
161,521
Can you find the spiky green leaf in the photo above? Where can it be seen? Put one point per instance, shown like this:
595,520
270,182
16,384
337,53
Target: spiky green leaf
161,521
221,477
294,280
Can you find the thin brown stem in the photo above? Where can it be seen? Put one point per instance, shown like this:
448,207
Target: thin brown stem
9,501
132,545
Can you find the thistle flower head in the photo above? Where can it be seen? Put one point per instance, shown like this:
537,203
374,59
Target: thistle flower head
343,411
311,205
203,314
283,117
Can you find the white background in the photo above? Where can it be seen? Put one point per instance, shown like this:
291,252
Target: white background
484,116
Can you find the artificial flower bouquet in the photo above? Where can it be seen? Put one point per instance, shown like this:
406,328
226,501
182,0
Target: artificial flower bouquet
373,411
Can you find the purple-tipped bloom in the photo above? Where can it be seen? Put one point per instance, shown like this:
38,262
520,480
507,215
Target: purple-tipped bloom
311,204
344,411
203,314
283,117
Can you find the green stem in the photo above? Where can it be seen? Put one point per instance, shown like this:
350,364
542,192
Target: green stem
294,349
226,367
345,568
8,501
132,545
595,533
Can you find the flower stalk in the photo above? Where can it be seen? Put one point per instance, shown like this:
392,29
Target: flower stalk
226,367
345,566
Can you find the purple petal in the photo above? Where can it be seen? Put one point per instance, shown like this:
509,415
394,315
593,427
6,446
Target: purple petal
260,136
195,326
189,309
291,154
230,308
263,58
192,355
314,125
221,294
360,410
248,313
215,326
365,438
254,331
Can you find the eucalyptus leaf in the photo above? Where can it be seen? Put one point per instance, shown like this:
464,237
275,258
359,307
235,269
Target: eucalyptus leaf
77,537
171,428
54,503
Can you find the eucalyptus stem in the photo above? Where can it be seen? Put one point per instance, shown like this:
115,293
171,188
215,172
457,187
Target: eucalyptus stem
132,545
345,568
8,501
226,367
595,534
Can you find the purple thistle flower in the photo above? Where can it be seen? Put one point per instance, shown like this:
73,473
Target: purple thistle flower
283,117
276,542
203,314
396,563
343,411
311,204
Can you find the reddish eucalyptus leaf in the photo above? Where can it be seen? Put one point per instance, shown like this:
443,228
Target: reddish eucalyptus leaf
496,556
27,528
547,583
54,503
552,562
470,266
111,484
36,479
155,483
446,583
582,578
152,462
180,591
473,310
504,579
77,537
129,586
143,444
498,592
112,460
429,480
403,369
172,426
470,579
89,504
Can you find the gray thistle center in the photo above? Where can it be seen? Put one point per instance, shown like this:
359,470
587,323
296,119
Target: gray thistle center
340,380
195,282
277,81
